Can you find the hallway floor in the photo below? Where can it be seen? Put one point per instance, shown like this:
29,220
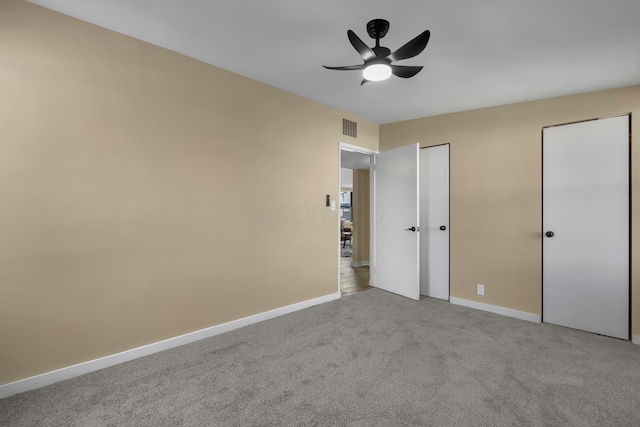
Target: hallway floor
353,279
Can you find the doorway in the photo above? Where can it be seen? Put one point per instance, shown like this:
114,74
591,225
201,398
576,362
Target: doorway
394,224
355,206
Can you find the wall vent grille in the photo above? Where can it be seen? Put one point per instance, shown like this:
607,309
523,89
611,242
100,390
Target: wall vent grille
349,128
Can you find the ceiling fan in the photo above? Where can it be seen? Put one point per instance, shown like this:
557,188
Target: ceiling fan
378,60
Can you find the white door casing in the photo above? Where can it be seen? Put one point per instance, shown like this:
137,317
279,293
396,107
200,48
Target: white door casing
586,207
397,266
434,216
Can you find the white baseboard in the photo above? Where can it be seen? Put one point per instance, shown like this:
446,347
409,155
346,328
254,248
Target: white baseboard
359,264
635,339
523,315
69,372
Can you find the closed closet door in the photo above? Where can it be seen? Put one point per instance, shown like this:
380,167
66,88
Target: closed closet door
585,250
434,222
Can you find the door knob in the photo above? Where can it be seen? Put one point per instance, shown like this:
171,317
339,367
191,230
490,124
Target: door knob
549,234
442,227
410,229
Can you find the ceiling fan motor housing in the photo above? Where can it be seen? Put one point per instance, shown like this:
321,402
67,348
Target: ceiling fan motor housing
377,28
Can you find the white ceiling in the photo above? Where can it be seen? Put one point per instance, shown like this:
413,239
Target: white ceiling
481,53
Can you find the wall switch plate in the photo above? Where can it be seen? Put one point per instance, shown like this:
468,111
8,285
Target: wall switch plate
333,205
480,289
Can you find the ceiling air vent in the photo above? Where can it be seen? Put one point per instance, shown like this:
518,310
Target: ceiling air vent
349,128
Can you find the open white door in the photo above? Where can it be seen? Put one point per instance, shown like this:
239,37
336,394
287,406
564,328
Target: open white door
434,220
397,262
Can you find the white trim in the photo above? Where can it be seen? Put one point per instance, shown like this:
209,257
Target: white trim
357,149
523,315
359,263
69,372
635,339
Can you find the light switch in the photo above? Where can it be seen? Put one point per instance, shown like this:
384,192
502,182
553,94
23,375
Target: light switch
333,205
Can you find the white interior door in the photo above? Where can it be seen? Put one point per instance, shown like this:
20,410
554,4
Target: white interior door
586,226
397,267
434,222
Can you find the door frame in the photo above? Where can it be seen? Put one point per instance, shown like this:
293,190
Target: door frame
342,146
629,153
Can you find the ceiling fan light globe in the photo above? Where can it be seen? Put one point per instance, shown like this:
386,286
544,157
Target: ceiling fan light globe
377,72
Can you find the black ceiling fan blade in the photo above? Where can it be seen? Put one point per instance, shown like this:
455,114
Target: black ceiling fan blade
359,45
348,67
413,48
405,71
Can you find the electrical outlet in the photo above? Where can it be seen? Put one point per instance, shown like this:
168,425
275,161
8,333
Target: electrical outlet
480,289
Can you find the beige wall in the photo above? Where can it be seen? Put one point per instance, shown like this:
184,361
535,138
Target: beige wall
145,195
361,215
496,190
